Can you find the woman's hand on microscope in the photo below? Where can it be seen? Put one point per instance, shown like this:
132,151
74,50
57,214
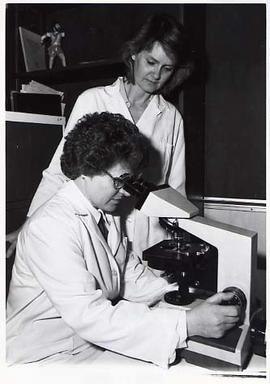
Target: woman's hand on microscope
211,318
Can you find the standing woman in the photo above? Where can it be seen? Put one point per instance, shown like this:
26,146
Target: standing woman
154,60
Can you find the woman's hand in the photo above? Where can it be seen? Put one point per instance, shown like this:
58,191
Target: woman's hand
11,238
211,319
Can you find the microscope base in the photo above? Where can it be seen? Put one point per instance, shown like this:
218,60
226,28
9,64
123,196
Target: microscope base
208,362
230,352
176,298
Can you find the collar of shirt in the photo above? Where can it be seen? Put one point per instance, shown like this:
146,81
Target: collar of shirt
105,217
114,90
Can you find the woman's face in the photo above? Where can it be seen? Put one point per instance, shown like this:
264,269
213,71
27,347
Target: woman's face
100,190
153,68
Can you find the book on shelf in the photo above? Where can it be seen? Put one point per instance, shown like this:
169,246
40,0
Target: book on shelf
38,98
35,87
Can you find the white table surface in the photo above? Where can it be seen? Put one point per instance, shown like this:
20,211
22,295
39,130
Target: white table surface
112,368
256,366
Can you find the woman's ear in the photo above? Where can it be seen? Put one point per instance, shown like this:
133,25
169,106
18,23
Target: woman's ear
133,57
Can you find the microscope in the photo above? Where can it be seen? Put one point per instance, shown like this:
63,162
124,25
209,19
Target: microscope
204,257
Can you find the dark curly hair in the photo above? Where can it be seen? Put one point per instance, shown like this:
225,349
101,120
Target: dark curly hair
171,35
100,140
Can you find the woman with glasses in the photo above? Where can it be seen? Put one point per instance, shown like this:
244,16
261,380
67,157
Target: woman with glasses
155,60
74,290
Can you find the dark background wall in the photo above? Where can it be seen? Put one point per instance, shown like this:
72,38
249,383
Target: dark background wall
235,104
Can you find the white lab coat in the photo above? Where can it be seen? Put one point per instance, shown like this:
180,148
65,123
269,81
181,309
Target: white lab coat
161,123
64,278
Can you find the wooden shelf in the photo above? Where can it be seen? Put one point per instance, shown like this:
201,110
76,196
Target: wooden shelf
92,70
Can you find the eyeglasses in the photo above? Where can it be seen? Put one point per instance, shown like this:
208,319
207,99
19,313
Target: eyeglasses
119,182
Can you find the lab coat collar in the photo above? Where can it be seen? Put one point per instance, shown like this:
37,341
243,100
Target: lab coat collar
83,209
86,212
79,202
157,101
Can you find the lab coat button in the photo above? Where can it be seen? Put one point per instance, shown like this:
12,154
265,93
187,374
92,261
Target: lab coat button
114,273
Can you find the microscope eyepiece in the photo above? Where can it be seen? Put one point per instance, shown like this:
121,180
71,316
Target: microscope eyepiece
136,186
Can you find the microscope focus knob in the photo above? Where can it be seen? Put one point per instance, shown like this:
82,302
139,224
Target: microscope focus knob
239,298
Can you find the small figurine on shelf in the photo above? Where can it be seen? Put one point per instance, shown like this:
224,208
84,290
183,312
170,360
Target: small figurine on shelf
55,49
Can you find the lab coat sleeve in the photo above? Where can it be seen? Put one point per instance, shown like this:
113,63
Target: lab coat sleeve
52,177
84,104
177,176
132,329
140,284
